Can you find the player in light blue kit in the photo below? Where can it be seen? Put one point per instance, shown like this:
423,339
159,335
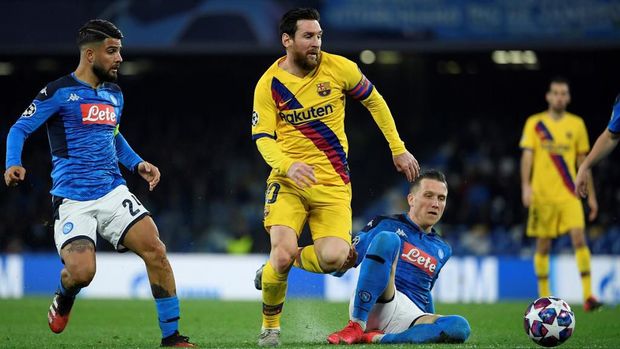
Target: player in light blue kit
400,258
605,143
82,112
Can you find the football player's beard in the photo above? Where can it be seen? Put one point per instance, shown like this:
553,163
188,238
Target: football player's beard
302,60
103,75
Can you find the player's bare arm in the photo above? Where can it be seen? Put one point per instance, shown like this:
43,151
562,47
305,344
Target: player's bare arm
13,175
605,143
150,173
407,164
302,174
589,187
526,170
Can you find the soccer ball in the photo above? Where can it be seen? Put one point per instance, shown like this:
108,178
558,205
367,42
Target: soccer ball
549,321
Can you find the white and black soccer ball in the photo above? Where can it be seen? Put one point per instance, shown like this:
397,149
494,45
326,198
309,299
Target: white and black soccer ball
549,321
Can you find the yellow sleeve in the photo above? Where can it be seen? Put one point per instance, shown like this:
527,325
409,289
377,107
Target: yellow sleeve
264,111
528,137
583,142
359,87
272,154
264,122
383,117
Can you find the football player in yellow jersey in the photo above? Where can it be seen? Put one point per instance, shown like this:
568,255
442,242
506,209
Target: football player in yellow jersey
554,142
298,126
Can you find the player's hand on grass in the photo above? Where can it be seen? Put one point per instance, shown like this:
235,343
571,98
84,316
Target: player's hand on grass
13,175
302,174
407,164
150,173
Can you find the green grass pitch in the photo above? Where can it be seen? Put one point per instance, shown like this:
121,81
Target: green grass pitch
227,324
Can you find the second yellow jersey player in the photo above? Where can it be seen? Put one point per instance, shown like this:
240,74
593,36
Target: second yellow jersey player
555,143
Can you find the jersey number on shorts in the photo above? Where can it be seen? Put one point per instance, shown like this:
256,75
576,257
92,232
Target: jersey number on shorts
272,193
128,203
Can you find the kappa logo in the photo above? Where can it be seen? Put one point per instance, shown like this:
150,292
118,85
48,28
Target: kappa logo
323,89
102,114
32,108
356,240
73,97
413,255
44,91
400,232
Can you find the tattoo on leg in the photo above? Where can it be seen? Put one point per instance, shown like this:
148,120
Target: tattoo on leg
159,291
81,245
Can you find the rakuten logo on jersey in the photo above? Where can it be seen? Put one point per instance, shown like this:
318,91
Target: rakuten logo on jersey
419,258
98,114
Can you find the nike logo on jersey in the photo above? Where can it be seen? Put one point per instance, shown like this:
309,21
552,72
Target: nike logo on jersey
413,255
282,104
102,114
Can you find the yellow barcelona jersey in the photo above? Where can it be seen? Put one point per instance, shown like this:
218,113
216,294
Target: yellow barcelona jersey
555,145
305,117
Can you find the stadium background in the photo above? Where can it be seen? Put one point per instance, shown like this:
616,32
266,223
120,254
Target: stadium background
459,76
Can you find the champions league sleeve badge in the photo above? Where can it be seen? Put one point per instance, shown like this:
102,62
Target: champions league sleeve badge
254,118
32,108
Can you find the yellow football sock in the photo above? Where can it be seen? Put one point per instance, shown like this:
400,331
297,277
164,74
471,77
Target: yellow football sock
582,255
308,260
274,293
541,269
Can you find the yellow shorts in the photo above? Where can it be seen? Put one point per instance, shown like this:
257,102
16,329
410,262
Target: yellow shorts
550,220
327,208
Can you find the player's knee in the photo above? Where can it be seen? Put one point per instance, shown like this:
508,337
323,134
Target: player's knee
455,327
281,259
334,258
385,244
154,254
578,239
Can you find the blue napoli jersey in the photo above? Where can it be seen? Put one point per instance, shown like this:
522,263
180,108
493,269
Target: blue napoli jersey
82,129
614,123
422,255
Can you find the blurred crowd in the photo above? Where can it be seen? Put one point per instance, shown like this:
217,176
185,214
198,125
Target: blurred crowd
211,195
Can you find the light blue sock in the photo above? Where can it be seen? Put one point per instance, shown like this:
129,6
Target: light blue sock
68,292
446,329
375,272
168,314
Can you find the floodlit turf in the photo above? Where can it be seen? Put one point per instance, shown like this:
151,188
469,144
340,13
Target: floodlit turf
219,324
